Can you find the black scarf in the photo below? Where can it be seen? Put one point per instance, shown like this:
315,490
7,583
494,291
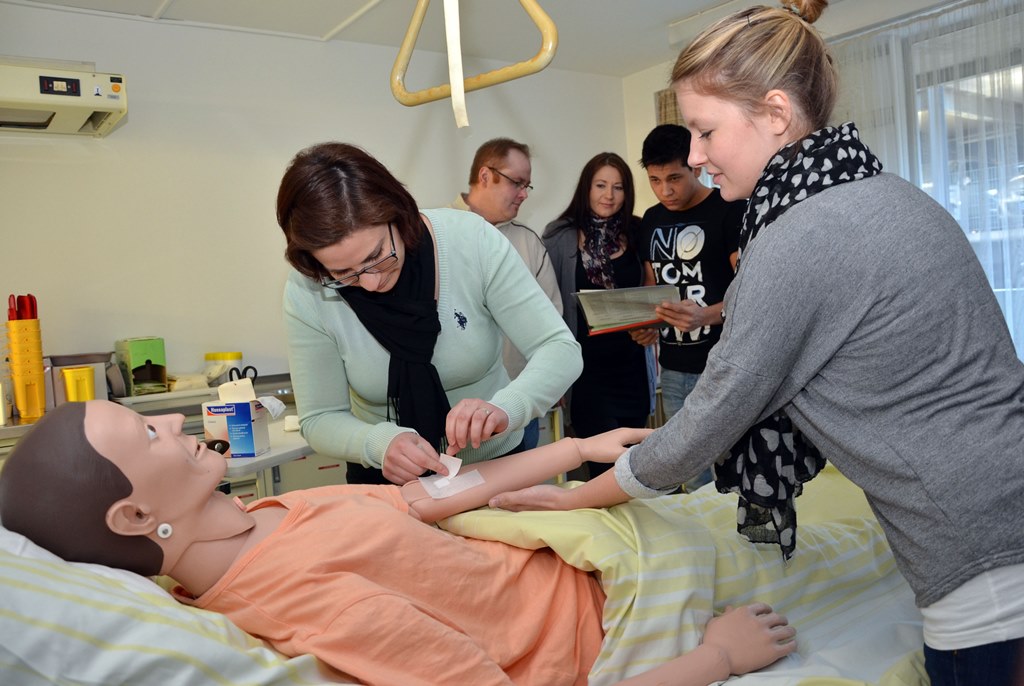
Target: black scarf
404,320
769,464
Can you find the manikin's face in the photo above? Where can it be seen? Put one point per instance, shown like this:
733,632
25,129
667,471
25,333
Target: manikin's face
675,185
606,192
498,197
363,248
170,472
731,144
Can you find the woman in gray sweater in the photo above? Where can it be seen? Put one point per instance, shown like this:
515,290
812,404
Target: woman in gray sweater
860,329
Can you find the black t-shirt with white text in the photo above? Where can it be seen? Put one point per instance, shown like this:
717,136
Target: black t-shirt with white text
691,249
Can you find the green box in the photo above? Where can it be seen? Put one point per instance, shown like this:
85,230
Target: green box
143,364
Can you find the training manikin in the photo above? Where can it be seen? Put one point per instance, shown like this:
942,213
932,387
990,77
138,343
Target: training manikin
135,492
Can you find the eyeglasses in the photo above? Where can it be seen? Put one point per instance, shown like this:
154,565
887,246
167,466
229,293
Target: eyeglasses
520,185
381,265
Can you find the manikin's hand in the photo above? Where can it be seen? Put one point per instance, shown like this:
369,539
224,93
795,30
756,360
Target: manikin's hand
608,446
685,315
750,637
644,337
408,456
471,422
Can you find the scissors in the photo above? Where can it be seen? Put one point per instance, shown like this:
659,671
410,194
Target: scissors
246,372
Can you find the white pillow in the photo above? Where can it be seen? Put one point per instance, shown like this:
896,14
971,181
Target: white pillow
92,625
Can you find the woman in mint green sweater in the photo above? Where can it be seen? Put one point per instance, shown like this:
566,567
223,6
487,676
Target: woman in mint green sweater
395,318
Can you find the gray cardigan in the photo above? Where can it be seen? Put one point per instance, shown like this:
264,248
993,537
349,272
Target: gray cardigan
562,242
864,313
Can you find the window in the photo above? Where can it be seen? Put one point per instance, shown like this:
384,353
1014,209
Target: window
940,100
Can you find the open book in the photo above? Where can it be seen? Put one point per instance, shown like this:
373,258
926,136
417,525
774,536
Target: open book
620,309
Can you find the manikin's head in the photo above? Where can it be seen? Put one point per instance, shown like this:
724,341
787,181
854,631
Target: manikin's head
499,179
97,482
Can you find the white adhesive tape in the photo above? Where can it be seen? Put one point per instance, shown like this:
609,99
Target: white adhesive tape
438,487
274,406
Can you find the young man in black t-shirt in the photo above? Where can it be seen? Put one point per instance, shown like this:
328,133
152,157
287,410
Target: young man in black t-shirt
689,239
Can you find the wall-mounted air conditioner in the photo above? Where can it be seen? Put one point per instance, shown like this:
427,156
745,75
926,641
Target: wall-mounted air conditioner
43,99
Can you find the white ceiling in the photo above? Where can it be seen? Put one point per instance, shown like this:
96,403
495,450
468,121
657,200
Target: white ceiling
612,37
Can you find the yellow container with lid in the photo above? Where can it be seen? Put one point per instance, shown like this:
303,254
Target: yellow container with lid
219,363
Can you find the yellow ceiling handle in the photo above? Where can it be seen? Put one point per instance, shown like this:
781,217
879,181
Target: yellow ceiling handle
549,43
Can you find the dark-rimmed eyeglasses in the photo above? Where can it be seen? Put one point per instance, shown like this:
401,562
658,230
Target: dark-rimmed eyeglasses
520,185
382,265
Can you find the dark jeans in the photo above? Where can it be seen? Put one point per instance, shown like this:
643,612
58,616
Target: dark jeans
994,664
358,474
531,435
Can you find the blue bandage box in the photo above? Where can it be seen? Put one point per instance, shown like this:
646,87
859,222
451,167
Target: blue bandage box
244,425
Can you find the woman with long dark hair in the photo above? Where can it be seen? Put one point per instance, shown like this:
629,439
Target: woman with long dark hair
592,245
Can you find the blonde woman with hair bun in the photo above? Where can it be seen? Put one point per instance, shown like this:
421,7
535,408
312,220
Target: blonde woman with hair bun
860,329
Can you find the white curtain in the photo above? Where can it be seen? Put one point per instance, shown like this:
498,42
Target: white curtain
940,100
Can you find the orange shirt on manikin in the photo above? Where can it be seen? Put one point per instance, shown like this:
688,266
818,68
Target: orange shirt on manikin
352,578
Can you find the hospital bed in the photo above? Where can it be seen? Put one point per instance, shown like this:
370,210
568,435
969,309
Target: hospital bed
88,624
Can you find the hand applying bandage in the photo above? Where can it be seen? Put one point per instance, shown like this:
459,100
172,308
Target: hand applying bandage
471,422
408,456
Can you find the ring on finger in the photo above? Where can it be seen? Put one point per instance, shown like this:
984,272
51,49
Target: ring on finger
484,410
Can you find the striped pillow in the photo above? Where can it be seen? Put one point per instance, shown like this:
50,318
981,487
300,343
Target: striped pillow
88,624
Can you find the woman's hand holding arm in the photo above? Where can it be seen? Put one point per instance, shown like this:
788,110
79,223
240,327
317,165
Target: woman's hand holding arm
603,491
408,456
471,422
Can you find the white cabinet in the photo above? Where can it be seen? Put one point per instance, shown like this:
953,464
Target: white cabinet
244,488
310,471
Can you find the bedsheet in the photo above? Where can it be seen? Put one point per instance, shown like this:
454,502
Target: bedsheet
669,563
665,564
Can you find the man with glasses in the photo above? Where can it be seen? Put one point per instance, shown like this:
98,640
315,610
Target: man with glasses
499,182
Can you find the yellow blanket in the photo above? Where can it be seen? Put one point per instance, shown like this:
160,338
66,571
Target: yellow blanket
669,563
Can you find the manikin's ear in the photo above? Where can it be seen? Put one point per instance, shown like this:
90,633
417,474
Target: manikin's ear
780,111
127,518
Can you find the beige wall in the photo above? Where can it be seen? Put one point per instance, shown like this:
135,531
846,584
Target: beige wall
166,227
638,98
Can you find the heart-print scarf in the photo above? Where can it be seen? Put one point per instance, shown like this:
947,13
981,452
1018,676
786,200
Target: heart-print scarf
769,464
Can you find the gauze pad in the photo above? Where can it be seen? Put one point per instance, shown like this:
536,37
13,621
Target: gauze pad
438,486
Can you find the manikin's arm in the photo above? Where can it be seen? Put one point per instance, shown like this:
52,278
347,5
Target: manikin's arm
739,641
514,472
601,491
